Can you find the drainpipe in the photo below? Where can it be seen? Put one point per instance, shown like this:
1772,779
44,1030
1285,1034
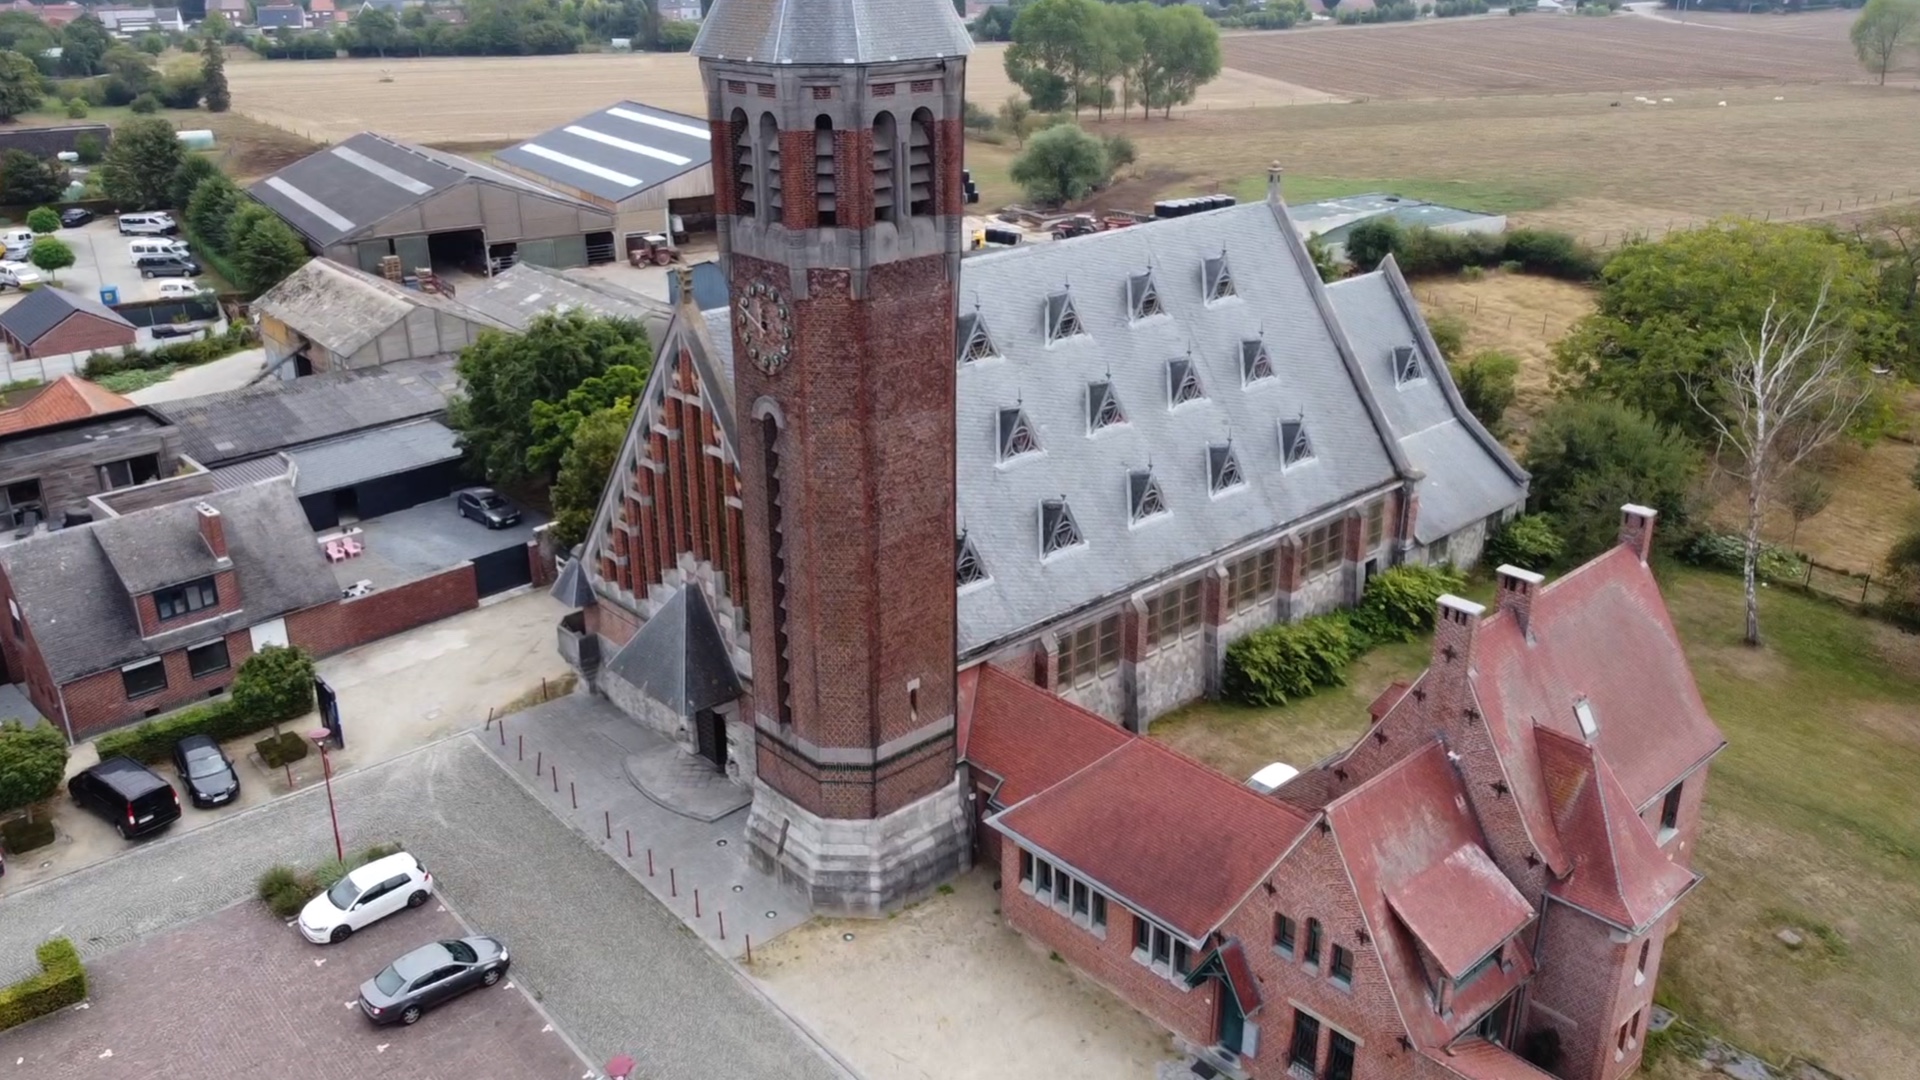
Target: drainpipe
61,693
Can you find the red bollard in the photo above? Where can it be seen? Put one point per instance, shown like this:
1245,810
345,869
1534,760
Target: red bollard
722,916
609,817
629,843
523,746
673,883
556,779
574,794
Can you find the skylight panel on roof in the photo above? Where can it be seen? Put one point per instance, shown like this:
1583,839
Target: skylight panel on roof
1144,499
1058,530
579,165
662,123
385,172
629,146
1583,712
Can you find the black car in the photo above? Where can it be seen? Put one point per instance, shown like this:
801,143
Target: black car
167,266
430,975
75,216
133,798
488,507
206,771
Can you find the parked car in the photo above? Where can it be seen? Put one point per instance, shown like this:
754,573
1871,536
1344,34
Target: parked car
206,771
16,274
147,225
488,507
152,266
1271,777
75,216
430,975
133,798
180,290
364,897
17,241
156,246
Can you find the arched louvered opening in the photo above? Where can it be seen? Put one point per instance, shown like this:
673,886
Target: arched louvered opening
777,569
885,146
824,203
770,166
920,164
745,194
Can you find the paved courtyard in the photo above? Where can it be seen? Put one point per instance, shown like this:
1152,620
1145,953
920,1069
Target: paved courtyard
238,994
426,539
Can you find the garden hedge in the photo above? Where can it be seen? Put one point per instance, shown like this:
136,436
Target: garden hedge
62,981
272,686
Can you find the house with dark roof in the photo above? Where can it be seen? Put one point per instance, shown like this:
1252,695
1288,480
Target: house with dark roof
54,322
1480,888
280,17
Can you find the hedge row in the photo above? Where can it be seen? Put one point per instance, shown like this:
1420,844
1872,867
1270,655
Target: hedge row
62,981
1427,251
180,353
273,686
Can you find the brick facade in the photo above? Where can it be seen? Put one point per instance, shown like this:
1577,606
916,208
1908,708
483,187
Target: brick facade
337,627
79,332
99,702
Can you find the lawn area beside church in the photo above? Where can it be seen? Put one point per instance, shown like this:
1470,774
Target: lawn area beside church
1811,820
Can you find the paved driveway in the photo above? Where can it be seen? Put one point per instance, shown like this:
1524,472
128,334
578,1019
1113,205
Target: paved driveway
238,994
617,971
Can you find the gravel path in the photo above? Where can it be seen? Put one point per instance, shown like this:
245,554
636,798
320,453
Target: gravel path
618,972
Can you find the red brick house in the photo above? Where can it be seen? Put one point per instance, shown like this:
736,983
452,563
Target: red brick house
1486,878
51,321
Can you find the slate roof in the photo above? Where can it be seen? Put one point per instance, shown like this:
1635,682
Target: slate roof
341,191
1158,832
369,455
616,152
68,397
233,425
678,657
572,587
831,31
41,310
342,308
1468,474
69,584
1025,738
517,295
280,17
1619,872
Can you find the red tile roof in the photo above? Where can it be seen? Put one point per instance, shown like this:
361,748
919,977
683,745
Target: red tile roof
1461,908
1478,1059
1388,698
1619,872
1160,833
68,397
1027,738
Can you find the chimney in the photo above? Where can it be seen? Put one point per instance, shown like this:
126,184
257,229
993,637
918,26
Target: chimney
1453,635
1636,529
213,530
1517,588
1274,177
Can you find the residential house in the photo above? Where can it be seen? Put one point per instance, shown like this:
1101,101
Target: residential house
49,470
322,14
55,322
280,17
236,12
58,15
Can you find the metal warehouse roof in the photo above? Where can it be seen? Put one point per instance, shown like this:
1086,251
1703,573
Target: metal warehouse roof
370,455
1330,215
233,425
617,152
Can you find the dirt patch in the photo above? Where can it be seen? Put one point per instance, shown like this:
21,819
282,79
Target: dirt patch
1519,314
1901,652
1135,190
1896,722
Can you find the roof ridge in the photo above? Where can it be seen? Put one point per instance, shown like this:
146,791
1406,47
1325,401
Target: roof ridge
1430,746
1220,777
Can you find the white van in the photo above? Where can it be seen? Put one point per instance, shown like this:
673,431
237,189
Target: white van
169,290
157,224
16,240
137,248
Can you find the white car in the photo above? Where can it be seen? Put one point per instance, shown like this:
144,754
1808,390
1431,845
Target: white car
181,290
364,897
16,274
1272,777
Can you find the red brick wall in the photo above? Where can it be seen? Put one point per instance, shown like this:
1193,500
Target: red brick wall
98,702
24,662
541,565
1586,990
81,332
336,627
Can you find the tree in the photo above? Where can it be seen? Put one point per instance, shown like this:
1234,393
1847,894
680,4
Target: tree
130,73
1486,384
43,220
591,454
33,761
1782,392
83,45
193,169
1183,49
552,423
1324,263
19,85
505,374
676,35
274,685
1016,119
1807,493
1060,164
1053,45
994,24
152,44
1883,30
141,162
145,105
210,209
88,148
1590,456
26,180
51,254
76,109
1371,241
263,249
1113,49
215,27
376,30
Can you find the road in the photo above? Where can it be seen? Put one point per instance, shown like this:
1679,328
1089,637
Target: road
226,373
618,972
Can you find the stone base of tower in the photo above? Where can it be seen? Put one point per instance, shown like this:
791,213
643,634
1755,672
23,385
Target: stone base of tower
861,867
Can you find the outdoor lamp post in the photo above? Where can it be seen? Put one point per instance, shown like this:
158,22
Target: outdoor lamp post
320,739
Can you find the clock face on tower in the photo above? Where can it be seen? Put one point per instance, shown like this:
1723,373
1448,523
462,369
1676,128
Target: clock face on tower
765,325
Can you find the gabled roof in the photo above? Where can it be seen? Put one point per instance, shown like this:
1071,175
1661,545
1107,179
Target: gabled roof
524,291
679,657
44,308
1024,737
68,397
1460,908
1477,1059
831,31
1160,833
342,308
1619,873
370,455
276,414
616,152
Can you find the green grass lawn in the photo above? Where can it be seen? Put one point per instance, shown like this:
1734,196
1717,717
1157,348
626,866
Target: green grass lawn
1812,819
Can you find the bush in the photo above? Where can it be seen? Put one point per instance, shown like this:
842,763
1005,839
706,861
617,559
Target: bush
153,741
286,889
1292,660
1728,551
62,981
329,873
1553,254
1449,333
89,149
1424,251
1400,602
275,684
1120,152
1486,384
42,219
76,109
145,104
33,761
977,118
283,749
1591,456
1527,541
20,836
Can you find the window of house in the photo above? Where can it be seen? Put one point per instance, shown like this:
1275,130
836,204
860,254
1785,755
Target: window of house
1090,652
1295,447
206,659
13,613
1640,969
1283,932
184,599
1017,435
1376,523
1304,1050
1144,499
1340,966
1059,531
1670,814
1156,947
1440,552
1311,954
1173,614
1620,1043
1250,580
149,677
1320,548
1063,892
134,470
23,505
968,569
1340,1054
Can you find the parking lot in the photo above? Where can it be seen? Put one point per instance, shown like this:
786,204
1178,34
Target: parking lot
239,994
99,258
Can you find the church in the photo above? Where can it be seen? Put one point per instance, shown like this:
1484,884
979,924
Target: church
916,544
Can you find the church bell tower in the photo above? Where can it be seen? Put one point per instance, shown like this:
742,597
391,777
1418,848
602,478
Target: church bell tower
837,146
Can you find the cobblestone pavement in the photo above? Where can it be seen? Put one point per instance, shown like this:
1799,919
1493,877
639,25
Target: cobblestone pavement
238,994
616,970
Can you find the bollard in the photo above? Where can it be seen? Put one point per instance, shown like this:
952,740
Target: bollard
749,950
696,903
555,770
629,843
649,862
673,883
538,757
523,746
609,816
722,916
573,794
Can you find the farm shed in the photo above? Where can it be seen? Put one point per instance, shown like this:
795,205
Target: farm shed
328,317
516,296
375,472
1333,219
53,322
371,196
644,165
255,421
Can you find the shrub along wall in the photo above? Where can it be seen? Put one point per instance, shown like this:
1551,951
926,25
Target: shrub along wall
62,981
273,686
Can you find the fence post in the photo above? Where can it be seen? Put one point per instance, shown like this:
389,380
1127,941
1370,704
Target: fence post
1866,580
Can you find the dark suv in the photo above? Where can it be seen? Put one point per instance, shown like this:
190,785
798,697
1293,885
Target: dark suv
167,266
133,798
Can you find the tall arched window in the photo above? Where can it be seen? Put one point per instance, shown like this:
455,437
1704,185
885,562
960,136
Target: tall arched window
885,147
824,203
744,193
770,166
777,569
921,164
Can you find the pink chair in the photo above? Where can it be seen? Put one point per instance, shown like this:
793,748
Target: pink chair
353,547
335,552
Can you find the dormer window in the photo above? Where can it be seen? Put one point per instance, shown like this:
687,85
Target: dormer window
975,342
1142,301
1058,530
1144,500
1017,436
1295,447
1223,469
1183,382
1406,365
1103,407
968,568
1215,279
185,599
1256,365
1062,321
1583,713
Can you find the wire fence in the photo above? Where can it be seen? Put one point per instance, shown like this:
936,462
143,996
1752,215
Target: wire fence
1805,210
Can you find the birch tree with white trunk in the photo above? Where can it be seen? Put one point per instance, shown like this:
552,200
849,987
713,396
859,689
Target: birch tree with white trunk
1781,393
